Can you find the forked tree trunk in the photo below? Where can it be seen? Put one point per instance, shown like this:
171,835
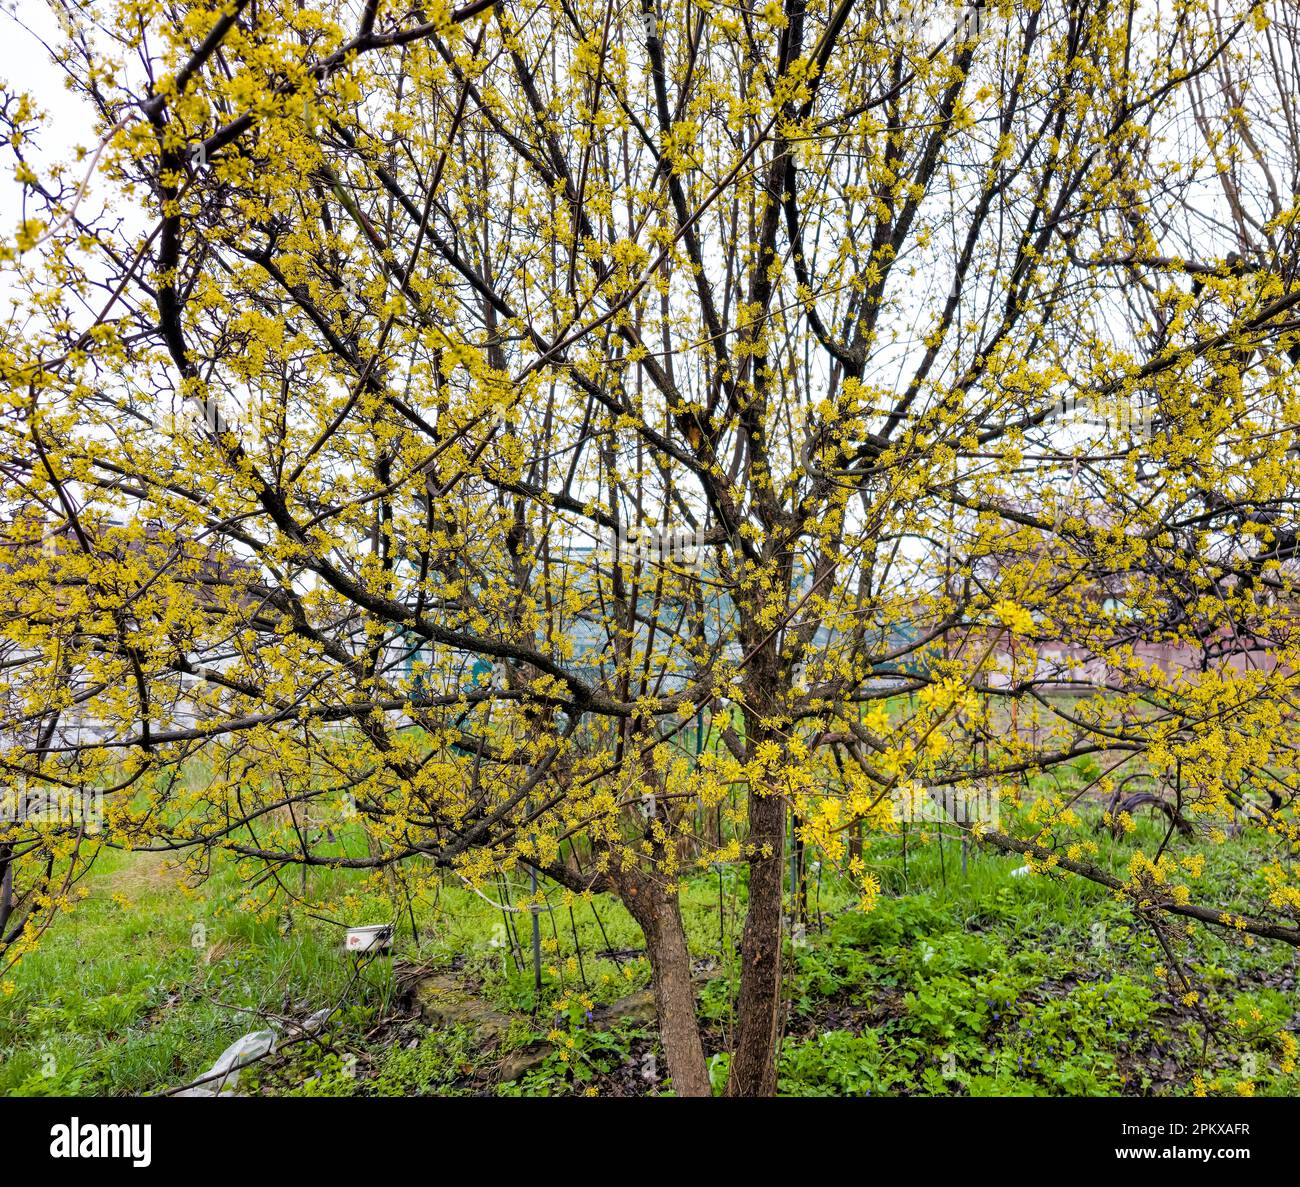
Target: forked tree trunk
660,918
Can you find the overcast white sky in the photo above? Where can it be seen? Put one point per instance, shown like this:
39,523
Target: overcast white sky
25,66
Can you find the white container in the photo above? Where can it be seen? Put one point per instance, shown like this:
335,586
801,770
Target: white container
377,937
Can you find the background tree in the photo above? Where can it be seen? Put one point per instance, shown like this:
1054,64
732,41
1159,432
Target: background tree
450,412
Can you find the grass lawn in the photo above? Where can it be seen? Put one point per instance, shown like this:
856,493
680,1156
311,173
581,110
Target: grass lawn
957,983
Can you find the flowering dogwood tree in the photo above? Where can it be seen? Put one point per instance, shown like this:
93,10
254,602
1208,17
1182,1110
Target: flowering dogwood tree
604,437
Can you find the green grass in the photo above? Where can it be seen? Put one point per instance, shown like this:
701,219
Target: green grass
975,983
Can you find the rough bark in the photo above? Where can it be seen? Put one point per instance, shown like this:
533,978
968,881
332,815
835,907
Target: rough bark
758,1012
753,1065
659,916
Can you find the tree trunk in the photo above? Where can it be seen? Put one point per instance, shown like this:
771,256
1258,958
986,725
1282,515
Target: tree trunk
753,1065
6,885
758,1011
660,918
799,871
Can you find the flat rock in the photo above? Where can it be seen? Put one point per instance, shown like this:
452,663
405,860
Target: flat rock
522,1060
636,1007
443,1001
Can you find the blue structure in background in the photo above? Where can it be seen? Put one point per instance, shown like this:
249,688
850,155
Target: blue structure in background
589,640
